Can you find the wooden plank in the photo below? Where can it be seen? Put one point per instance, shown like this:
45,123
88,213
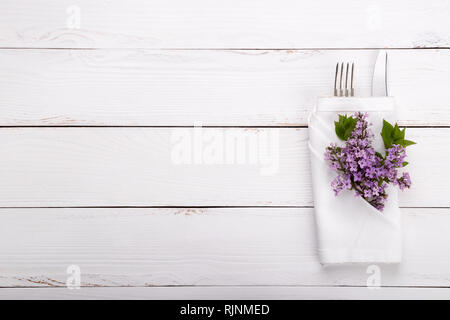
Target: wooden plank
201,247
226,293
216,88
228,24
73,167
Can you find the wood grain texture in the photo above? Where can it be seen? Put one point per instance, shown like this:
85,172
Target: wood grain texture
72,167
227,24
216,88
201,247
226,293
179,63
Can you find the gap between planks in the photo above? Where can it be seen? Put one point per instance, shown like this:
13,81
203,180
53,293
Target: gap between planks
205,127
224,49
194,207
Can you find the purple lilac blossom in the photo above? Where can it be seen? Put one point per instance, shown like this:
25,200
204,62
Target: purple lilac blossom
364,171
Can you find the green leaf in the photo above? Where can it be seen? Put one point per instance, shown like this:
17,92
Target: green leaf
405,163
339,129
344,127
394,135
379,155
408,143
387,134
404,143
397,133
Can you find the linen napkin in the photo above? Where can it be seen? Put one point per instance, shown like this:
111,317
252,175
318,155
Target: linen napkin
349,229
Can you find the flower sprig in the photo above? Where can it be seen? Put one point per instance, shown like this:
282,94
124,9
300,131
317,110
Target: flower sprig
359,167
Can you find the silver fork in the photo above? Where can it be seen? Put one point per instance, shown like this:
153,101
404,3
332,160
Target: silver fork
339,74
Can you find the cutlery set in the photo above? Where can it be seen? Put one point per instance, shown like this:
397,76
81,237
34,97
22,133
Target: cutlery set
345,72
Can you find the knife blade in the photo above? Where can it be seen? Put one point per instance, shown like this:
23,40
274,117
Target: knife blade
379,79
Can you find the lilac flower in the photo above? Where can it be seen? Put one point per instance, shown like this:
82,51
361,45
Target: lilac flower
364,171
403,182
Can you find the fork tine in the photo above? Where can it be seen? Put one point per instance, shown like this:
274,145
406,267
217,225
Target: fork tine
346,80
335,79
340,81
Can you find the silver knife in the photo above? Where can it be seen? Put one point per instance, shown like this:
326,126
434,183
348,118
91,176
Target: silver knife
379,79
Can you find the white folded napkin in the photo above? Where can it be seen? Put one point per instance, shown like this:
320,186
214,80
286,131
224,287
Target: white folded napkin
350,229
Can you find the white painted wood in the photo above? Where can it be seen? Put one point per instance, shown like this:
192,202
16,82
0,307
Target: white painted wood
129,83
201,247
224,24
72,167
216,88
226,293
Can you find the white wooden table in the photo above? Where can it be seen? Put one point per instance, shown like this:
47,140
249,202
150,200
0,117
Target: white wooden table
95,94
